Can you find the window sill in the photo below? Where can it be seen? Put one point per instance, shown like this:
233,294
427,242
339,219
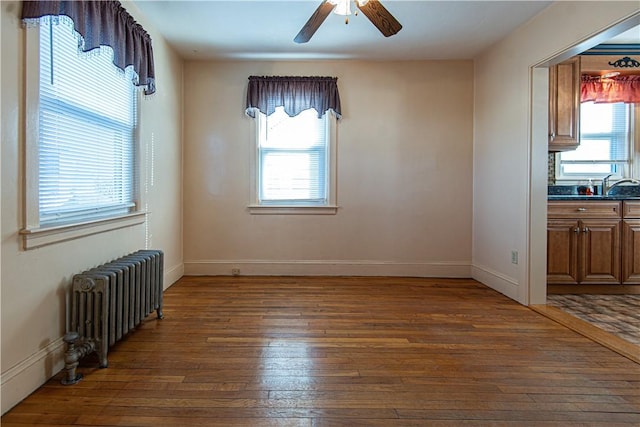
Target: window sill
292,210
37,237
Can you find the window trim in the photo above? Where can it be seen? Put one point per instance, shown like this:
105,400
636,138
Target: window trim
42,236
33,234
331,208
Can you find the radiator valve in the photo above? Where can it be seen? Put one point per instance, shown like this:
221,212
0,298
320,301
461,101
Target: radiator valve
73,354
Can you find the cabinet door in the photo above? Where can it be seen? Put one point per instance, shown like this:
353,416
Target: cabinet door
599,260
562,251
564,105
631,252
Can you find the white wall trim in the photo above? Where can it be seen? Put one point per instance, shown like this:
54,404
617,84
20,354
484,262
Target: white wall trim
25,377
449,269
292,210
495,280
37,237
172,275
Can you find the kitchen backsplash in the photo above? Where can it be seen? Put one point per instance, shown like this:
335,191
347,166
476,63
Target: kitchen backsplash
551,172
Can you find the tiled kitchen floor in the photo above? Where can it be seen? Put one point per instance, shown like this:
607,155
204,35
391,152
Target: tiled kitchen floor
616,314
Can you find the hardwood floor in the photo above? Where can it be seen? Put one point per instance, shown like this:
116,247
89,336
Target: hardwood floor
294,351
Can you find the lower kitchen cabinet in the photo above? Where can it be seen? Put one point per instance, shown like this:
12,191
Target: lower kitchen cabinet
584,243
562,251
631,243
600,240
583,251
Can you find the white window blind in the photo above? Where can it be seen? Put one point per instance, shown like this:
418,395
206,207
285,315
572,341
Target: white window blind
292,158
87,123
605,142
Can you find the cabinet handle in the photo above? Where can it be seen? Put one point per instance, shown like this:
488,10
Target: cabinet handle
585,230
581,209
576,230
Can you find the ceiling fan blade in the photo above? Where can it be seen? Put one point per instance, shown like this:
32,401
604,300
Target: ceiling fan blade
380,17
314,22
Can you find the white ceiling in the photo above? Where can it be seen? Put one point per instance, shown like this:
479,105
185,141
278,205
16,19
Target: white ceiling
631,36
264,29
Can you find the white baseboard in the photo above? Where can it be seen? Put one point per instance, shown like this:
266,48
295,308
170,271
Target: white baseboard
453,269
497,281
24,378
172,275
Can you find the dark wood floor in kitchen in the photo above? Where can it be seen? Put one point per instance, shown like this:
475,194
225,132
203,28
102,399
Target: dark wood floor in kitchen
276,351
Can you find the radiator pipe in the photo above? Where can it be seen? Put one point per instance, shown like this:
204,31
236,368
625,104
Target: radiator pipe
73,354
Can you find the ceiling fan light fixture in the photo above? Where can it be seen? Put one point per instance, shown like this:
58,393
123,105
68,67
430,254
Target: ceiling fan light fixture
372,9
343,7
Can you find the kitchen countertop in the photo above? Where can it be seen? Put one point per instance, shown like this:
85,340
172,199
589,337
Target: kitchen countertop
576,192
569,197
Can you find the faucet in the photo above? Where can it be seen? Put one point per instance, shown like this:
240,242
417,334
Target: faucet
605,184
622,181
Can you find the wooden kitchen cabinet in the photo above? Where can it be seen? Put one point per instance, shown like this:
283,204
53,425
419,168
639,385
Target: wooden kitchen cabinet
562,251
564,105
631,243
600,240
583,243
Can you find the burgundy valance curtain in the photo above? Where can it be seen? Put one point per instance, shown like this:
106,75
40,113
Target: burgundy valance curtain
624,88
107,23
295,94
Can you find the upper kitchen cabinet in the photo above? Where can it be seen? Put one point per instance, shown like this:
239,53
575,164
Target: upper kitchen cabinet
564,105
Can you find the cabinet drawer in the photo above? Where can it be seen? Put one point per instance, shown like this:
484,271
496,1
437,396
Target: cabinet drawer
583,209
631,209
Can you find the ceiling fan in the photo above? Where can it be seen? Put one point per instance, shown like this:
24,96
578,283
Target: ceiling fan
373,9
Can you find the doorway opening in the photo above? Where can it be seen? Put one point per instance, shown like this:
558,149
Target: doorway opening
538,295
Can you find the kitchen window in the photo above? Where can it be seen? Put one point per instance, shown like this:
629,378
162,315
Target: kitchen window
607,143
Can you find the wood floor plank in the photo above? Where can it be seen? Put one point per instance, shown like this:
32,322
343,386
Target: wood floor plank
336,351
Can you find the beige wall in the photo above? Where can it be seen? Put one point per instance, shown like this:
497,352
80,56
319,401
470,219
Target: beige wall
510,142
34,283
404,174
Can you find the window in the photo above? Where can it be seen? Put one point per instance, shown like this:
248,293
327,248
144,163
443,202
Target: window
294,164
86,141
606,143
81,157
294,161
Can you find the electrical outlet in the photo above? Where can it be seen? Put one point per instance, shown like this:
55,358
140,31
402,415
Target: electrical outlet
514,257
235,271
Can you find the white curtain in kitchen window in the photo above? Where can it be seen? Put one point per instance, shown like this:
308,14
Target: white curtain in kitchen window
87,125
